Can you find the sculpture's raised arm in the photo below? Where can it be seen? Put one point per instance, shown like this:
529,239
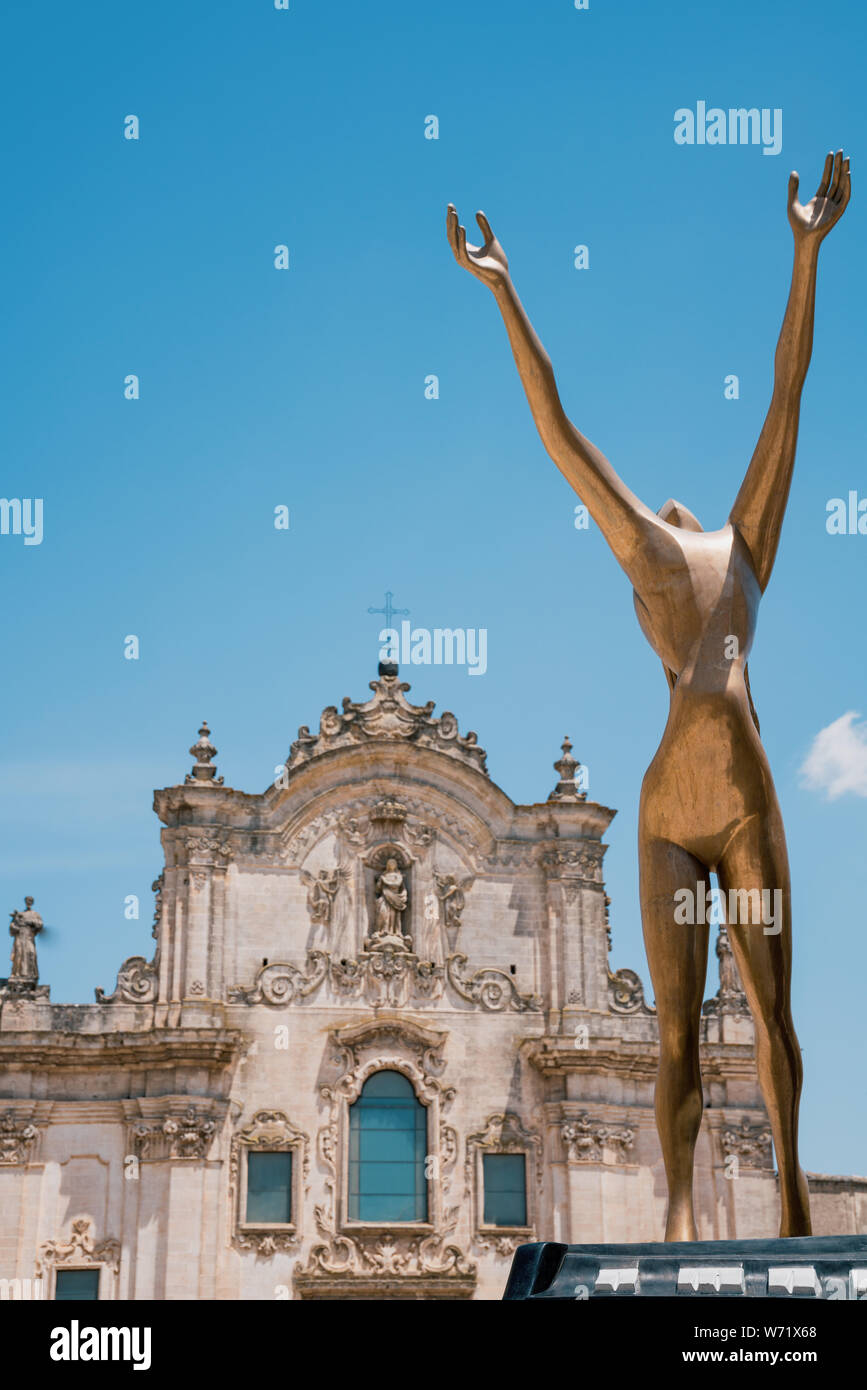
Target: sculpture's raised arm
622,518
761,503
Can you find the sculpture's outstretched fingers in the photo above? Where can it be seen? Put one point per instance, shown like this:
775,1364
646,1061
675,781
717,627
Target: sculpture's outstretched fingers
845,190
826,176
485,226
835,179
452,228
793,188
457,238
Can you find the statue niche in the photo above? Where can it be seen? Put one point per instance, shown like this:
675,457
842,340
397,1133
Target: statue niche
387,871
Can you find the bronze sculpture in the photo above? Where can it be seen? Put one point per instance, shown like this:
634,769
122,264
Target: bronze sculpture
708,802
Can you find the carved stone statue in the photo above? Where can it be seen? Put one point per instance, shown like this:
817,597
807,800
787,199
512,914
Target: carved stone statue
450,892
321,892
730,997
708,802
581,1138
728,971
391,900
451,896
24,928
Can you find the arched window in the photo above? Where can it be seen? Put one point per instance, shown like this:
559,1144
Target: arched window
387,1146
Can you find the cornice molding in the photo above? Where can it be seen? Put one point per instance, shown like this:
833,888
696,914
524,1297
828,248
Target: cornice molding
157,1046
637,1060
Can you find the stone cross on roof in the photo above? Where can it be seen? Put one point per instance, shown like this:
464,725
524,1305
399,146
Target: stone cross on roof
389,610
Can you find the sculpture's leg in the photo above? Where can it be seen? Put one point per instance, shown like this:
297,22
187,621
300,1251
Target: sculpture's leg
677,955
757,859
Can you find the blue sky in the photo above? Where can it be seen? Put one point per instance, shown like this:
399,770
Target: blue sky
306,388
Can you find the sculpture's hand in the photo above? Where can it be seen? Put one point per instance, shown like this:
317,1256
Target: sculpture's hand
815,220
488,262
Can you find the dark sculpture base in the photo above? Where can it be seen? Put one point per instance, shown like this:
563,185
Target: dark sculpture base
826,1267
23,989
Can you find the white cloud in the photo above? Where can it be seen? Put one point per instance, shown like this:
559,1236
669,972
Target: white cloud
837,761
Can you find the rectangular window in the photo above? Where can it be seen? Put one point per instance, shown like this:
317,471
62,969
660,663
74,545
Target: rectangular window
505,1186
78,1284
269,1188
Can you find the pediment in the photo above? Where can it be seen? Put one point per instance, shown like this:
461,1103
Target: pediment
387,717
374,1030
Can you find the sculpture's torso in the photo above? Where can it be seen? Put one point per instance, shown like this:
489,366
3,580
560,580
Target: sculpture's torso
697,607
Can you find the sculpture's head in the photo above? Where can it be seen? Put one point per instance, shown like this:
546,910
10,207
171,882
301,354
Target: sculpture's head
676,514
391,866
28,902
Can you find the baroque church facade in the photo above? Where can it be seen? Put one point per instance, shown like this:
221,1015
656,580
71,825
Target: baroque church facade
378,1046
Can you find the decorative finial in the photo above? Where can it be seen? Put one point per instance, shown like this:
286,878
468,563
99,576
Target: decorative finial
566,766
204,753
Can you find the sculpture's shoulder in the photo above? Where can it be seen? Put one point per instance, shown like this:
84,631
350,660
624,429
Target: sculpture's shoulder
26,921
